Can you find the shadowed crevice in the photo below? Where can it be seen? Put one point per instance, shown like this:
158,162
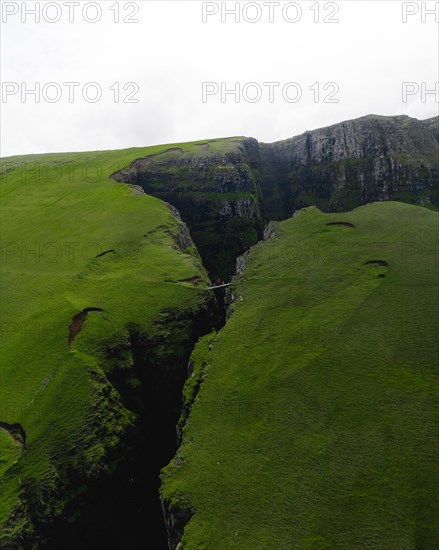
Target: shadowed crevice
105,253
16,431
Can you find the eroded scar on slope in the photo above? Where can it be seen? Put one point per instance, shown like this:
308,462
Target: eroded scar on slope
379,263
78,322
343,224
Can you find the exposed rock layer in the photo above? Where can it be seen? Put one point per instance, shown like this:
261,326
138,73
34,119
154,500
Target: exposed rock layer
340,167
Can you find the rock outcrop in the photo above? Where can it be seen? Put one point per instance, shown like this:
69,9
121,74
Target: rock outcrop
340,167
216,188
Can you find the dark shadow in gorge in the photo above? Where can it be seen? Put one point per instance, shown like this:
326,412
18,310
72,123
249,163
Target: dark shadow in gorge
123,511
220,295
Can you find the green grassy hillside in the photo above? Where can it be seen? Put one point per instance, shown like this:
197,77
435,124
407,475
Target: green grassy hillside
313,412
73,239
315,426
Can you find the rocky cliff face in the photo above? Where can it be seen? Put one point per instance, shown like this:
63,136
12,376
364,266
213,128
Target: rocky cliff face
337,168
216,187
226,190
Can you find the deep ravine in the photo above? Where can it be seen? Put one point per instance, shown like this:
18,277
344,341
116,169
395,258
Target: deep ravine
124,510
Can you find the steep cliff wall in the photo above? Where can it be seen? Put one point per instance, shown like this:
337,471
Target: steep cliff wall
226,190
340,167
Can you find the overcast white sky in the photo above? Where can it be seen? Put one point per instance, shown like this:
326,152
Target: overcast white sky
170,52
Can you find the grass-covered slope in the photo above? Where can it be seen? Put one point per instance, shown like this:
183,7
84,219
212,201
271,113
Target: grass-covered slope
73,239
315,426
